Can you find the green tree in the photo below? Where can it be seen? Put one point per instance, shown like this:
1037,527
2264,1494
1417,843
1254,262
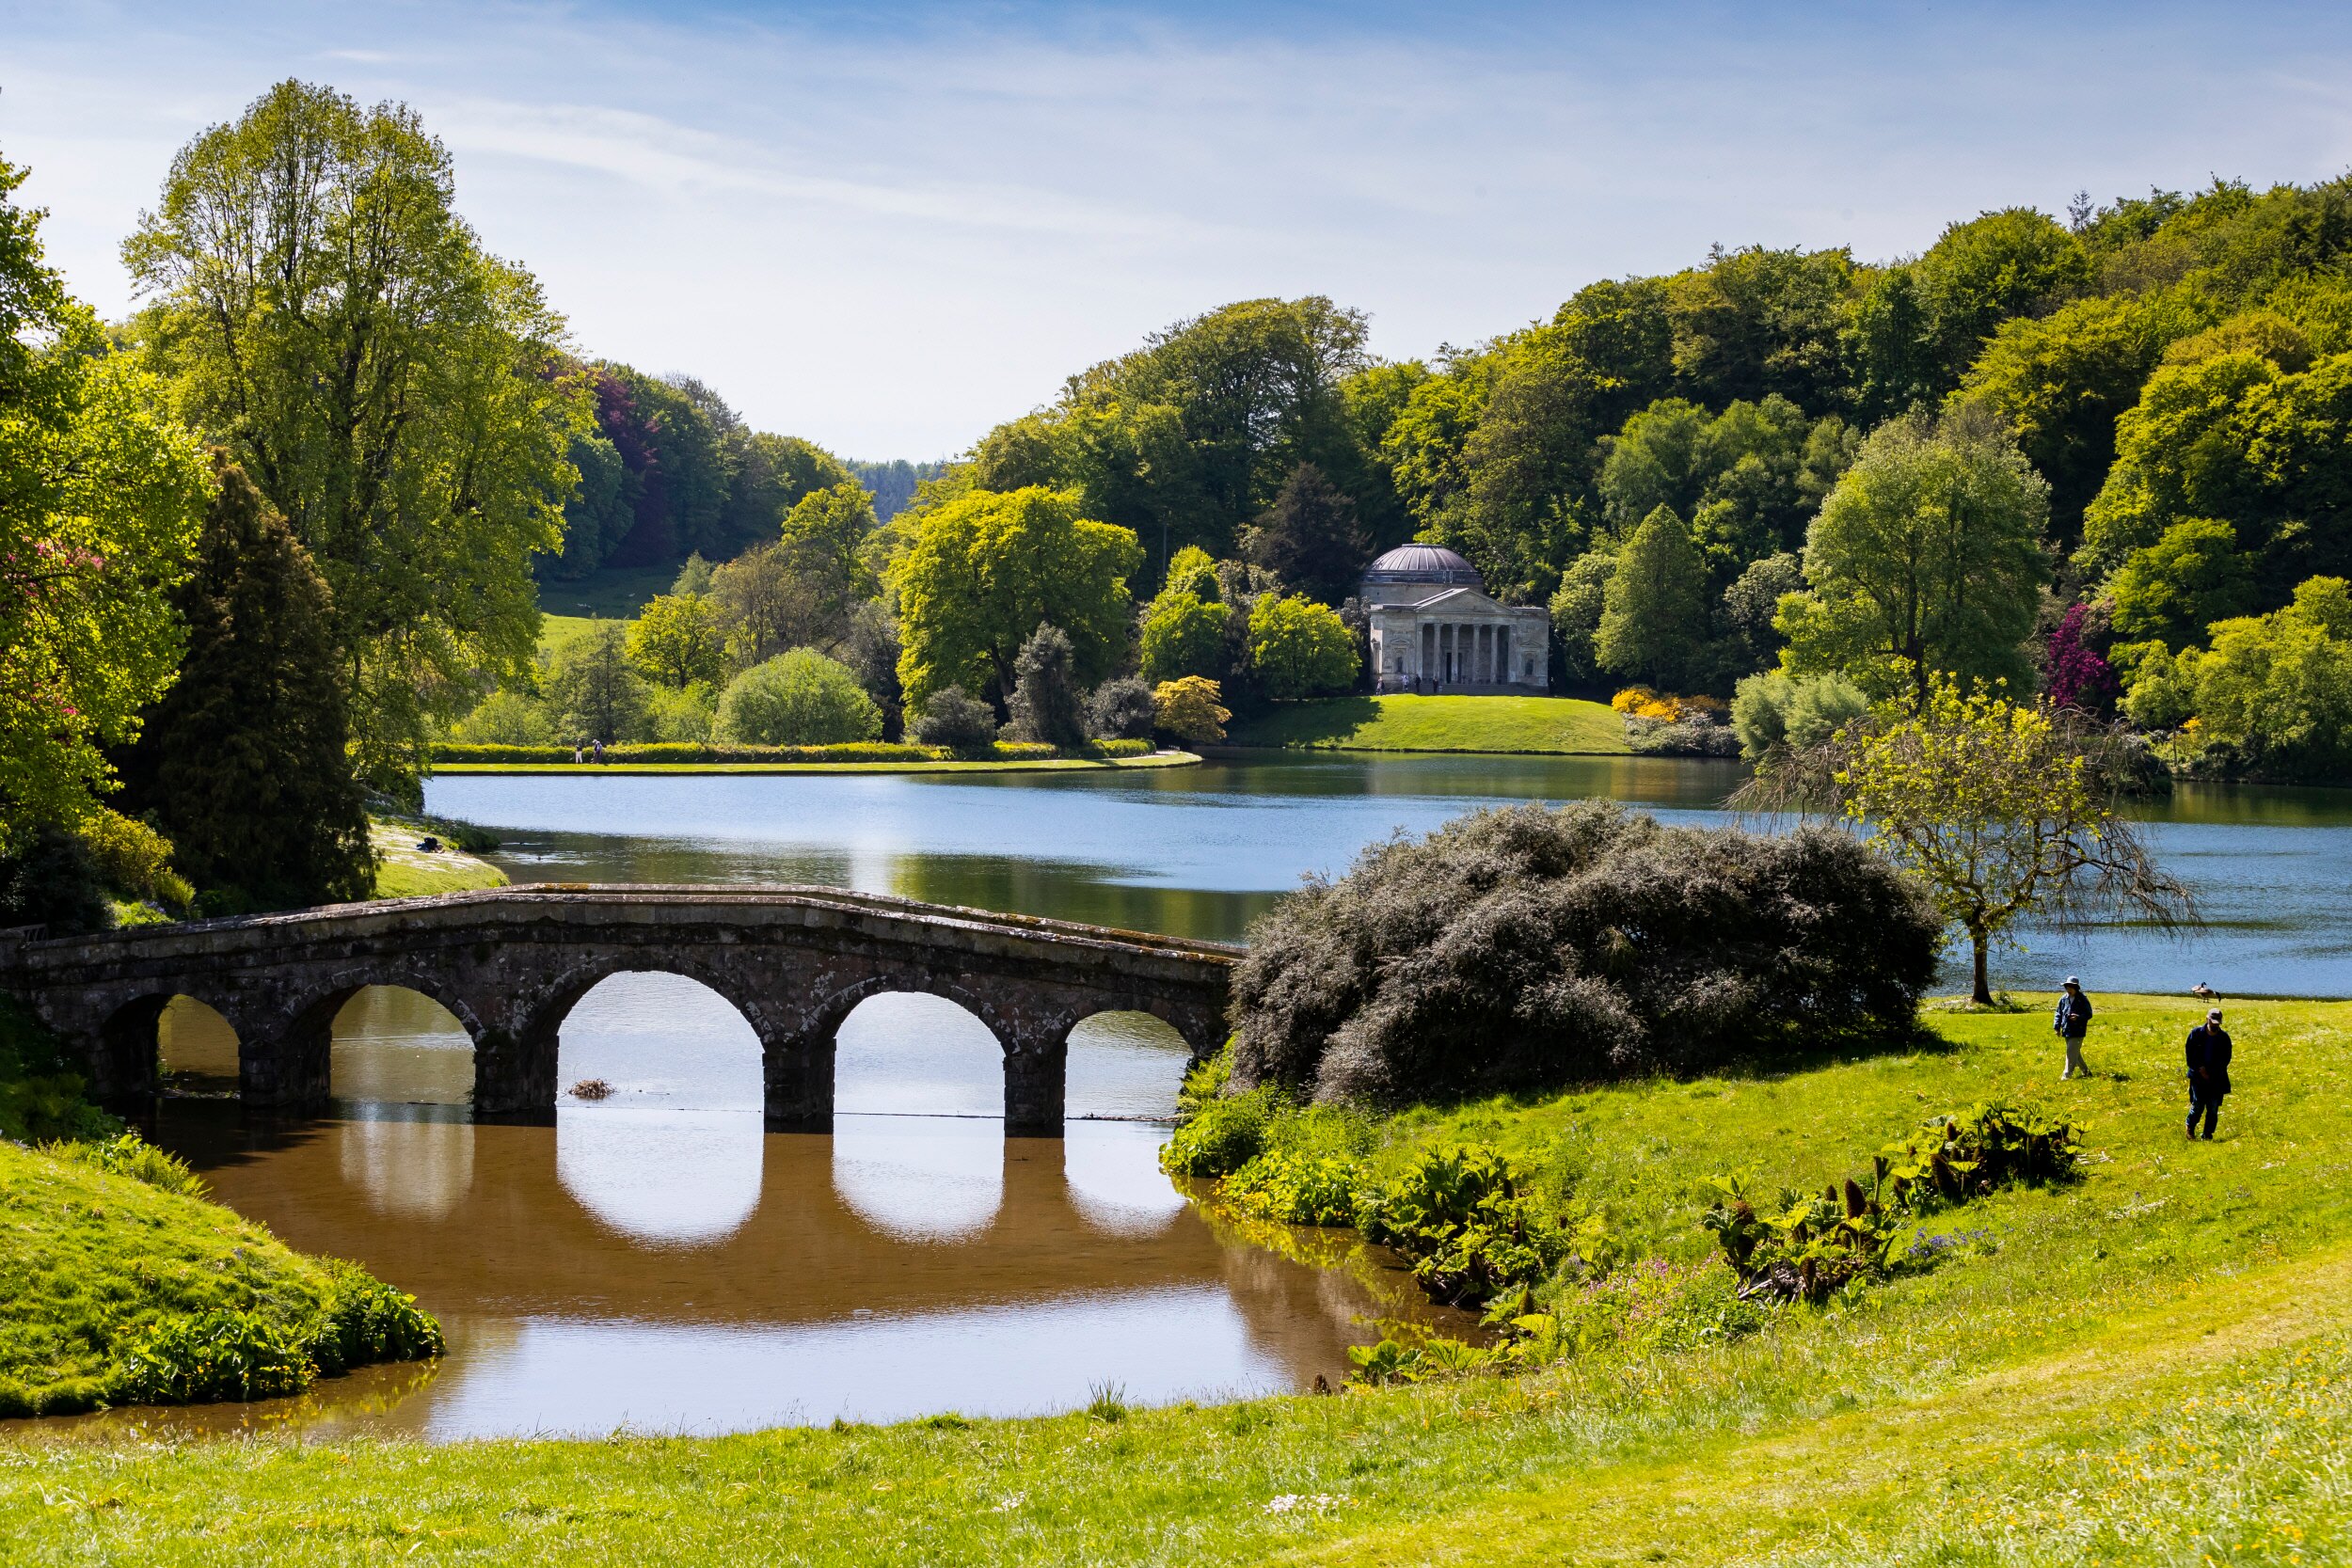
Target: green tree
985,571
2061,382
2277,688
1653,619
1182,636
1046,703
1752,603
677,640
1927,557
244,764
594,689
1298,648
1576,611
2015,262
100,499
2172,590
2000,809
1310,538
765,607
801,698
320,310
510,718
825,538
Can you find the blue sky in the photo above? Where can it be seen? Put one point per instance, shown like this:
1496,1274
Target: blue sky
887,227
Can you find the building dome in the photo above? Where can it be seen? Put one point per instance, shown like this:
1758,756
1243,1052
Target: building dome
1429,563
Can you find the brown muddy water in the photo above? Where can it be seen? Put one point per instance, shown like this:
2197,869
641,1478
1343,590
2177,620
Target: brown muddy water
658,1261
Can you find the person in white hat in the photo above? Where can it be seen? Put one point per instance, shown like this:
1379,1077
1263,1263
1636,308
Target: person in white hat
2071,1022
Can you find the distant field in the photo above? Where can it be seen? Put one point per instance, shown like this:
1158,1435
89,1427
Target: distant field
610,595
1408,724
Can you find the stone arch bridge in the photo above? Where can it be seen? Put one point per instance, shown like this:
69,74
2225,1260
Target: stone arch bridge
510,963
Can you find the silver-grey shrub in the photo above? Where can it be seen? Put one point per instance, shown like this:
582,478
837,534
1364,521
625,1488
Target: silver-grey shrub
1524,948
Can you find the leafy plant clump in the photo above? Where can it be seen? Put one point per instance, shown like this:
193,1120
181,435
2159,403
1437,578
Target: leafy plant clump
1803,1247
1529,947
127,1154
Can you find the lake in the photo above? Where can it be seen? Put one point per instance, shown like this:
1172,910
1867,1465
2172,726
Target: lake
659,1260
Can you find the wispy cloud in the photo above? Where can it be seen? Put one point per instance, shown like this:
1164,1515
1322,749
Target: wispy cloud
887,227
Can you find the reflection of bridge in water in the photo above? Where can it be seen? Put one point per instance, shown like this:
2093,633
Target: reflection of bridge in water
511,963
809,1226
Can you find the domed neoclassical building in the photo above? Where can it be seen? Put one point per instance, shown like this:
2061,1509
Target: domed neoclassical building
1434,629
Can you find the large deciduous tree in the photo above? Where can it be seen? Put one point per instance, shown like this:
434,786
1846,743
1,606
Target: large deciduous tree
392,389
1926,557
2001,810
244,763
986,570
100,503
1298,648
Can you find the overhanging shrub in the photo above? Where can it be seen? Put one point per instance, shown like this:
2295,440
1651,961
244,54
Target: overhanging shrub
1527,948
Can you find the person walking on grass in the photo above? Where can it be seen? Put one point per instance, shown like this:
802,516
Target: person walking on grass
2208,1072
2071,1022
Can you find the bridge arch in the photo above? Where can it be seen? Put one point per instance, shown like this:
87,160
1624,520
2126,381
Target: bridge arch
638,1026
909,1052
293,1063
130,1036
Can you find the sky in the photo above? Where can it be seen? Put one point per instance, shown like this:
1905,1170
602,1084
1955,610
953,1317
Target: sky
888,227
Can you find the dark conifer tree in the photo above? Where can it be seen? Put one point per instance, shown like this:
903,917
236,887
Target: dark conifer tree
245,765
1310,538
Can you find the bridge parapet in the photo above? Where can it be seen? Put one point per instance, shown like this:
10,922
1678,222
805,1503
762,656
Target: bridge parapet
510,963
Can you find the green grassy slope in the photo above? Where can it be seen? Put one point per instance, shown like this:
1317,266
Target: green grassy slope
2153,1364
92,1259
1410,724
403,871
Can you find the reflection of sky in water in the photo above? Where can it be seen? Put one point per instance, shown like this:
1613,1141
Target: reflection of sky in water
1113,1169
920,1178
659,1041
661,1177
567,1377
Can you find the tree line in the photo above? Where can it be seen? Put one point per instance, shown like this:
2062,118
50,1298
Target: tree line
272,537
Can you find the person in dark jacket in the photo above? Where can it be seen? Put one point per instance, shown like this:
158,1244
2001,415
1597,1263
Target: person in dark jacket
2071,1022
2208,1071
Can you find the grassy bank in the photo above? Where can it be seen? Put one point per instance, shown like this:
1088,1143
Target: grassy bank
1565,725
1011,765
2151,1364
121,1285
405,871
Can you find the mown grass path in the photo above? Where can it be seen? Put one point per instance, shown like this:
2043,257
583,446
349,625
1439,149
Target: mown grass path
1521,726
2152,1365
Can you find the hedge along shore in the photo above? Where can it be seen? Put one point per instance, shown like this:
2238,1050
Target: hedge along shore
1021,765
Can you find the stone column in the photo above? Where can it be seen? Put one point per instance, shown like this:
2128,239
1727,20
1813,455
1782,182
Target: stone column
797,1070
289,1067
513,1070
1036,1082
1504,671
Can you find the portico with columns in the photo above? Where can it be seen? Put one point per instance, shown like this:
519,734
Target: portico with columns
1433,628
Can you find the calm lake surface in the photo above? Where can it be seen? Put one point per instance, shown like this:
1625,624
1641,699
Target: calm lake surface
658,1261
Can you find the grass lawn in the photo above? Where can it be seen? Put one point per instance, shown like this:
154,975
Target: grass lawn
615,595
405,871
1410,724
2151,1366
92,1259
1016,765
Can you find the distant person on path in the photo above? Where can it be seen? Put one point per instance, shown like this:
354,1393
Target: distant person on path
598,744
2208,1072
575,756
2073,1021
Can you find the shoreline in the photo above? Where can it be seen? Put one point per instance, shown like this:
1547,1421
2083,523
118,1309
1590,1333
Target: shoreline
1018,765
